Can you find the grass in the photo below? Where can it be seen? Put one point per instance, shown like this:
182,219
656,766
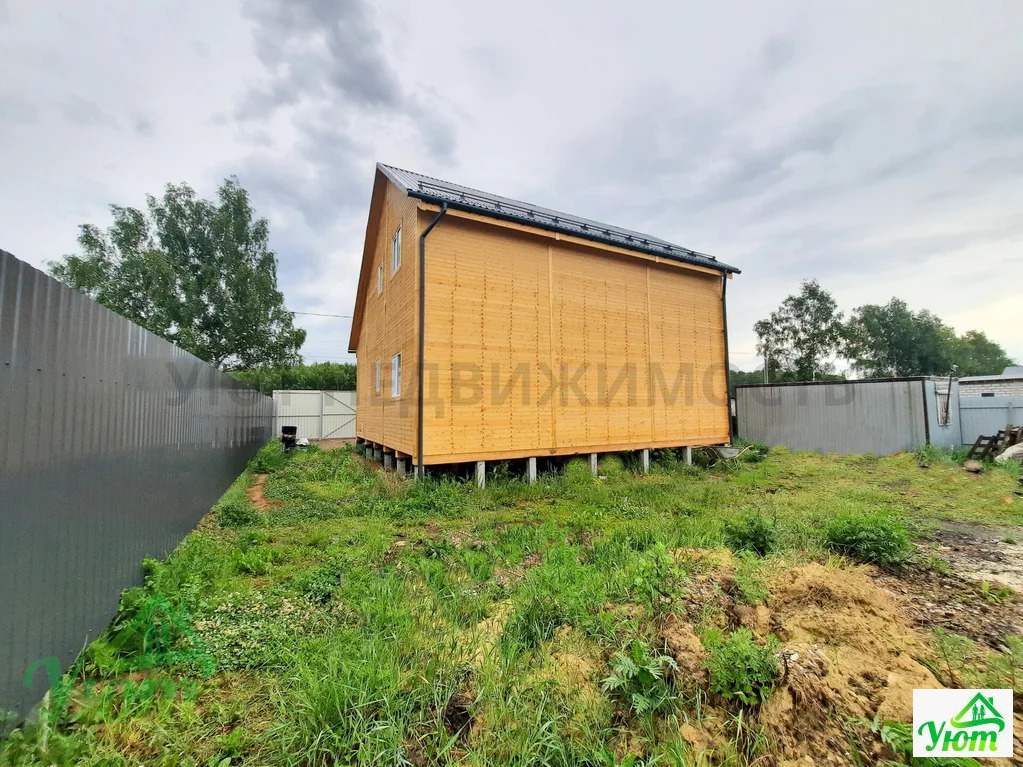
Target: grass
363,620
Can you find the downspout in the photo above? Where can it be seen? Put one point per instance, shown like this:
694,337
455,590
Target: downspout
420,468
728,366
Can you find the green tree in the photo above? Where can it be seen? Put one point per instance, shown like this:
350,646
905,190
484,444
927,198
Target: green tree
196,272
891,340
802,334
330,376
978,355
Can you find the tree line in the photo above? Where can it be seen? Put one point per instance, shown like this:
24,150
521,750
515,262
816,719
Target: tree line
201,274
329,376
799,340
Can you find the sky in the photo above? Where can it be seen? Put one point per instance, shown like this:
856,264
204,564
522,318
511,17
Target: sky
874,146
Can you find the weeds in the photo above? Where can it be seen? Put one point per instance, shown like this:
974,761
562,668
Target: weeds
740,669
641,679
751,532
362,620
270,458
877,539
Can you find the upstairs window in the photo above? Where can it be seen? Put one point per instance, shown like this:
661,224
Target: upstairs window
396,375
378,377
396,251
380,279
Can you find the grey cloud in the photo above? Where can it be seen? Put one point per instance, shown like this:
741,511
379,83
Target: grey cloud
778,53
144,126
85,113
330,53
15,107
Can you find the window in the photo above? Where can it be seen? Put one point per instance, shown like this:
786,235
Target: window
944,415
396,375
380,279
378,376
396,251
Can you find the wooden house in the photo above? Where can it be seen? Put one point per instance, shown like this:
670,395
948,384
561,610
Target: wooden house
490,329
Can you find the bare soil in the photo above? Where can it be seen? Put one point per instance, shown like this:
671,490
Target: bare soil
851,650
332,444
983,553
957,601
255,494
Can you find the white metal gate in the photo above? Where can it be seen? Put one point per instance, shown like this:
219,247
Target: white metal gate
317,414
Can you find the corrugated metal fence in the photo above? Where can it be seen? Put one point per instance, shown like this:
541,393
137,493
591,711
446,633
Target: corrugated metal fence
987,415
113,444
872,416
317,414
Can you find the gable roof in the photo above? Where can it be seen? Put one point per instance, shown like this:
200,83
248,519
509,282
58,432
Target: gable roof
438,192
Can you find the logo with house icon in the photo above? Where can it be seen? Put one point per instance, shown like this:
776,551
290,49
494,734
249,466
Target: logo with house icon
962,722
979,712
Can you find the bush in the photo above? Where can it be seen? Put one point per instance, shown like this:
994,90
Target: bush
270,458
236,513
757,450
876,539
739,668
429,499
577,471
751,532
532,623
611,466
641,679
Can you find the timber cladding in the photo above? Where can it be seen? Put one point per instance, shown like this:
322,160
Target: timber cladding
536,342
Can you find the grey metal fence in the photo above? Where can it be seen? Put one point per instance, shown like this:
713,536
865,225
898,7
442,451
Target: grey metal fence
984,416
871,416
113,444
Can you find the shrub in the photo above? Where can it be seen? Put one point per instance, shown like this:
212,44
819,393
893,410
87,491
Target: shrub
658,579
739,668
577,471
757,450
641,679
533,622
877,539
430,498
236,512
270,458
751,532
611,466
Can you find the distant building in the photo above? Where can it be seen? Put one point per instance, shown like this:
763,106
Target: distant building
1008,384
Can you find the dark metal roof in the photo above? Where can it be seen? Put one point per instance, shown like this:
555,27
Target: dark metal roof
464,198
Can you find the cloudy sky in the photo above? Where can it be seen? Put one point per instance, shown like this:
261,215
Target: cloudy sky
877,147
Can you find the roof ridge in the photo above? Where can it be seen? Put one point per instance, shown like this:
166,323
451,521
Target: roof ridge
436,190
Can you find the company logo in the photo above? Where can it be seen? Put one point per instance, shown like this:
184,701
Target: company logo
962,722
155,635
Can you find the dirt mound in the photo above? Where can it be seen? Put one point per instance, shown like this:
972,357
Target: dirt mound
847,653
685,646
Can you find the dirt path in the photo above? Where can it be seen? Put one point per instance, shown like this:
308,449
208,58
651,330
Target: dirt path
255,494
